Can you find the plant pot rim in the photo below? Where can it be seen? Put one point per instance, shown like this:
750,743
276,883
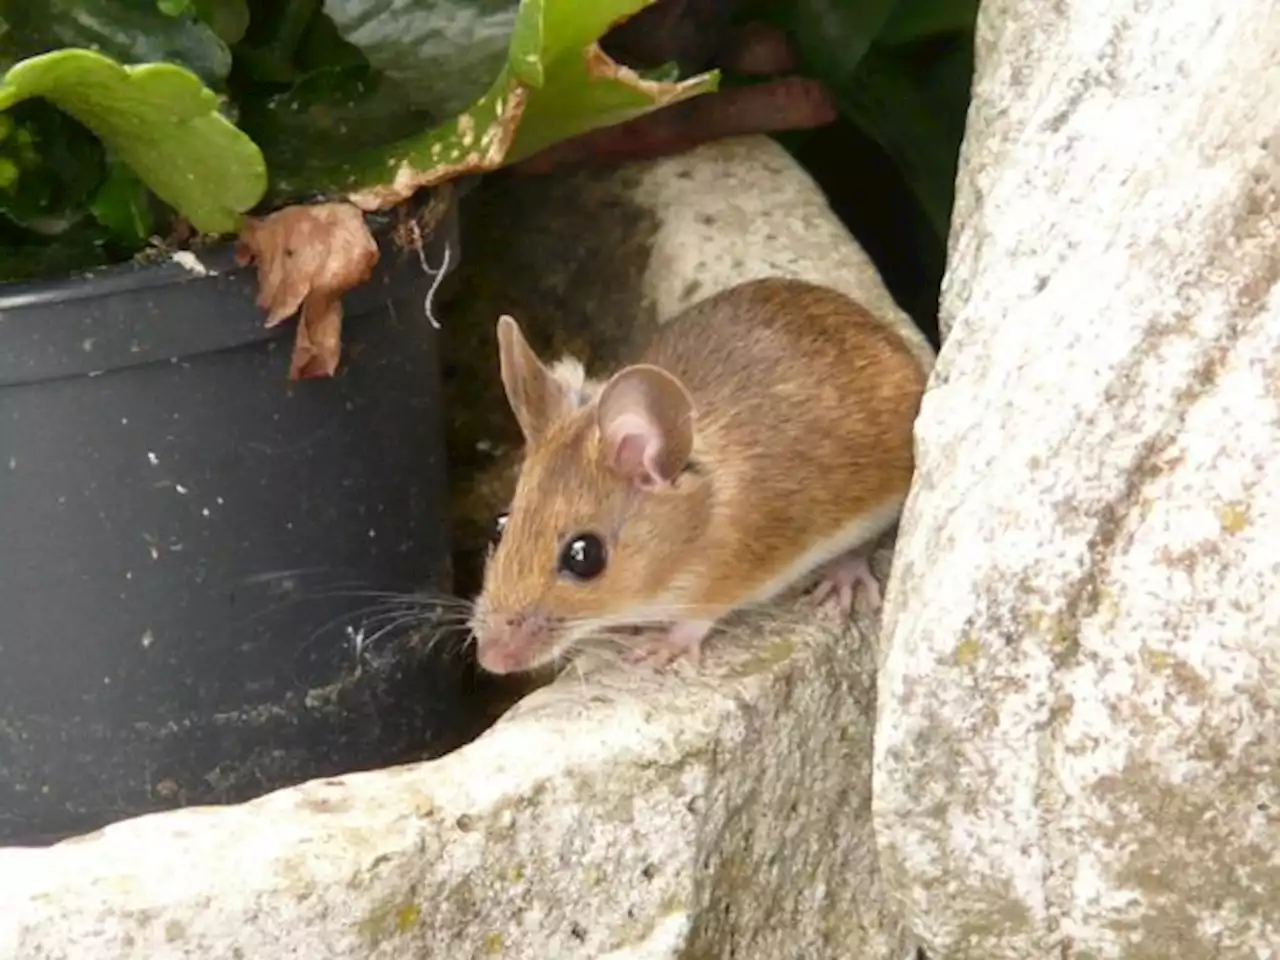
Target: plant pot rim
89,323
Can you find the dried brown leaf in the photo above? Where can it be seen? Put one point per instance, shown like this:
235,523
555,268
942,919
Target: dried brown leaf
308,257
318,345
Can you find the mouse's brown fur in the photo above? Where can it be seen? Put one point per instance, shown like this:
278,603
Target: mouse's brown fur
798,407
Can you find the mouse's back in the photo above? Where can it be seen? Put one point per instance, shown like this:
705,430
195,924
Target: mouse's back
805,407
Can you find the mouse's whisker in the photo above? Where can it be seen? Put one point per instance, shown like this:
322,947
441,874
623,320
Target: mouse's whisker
375,621
408,621
354,623
370,618
277,576
299,592
427,618
446,625
452,636
421,601
343,620
295,583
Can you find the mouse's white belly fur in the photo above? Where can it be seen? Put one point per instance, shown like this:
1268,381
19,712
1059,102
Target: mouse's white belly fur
684,590
861,531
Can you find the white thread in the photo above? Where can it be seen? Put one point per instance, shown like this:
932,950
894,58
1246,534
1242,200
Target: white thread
438,277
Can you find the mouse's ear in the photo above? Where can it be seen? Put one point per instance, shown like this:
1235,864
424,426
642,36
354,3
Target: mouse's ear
645,417
537,397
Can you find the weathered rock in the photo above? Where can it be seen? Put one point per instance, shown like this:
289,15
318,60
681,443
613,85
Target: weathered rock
623,818
1078,739
609,815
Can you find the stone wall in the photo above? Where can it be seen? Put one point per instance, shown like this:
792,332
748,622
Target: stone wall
1078,741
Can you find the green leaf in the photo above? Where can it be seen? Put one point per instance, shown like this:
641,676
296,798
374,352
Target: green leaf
900,70
129,31
524,60
834,35
327,114
123,206
286,40
161,121
915,107
229,19
322,47
54,167
25,258
443,151
556,84
663,72
913,20
444,53
582,88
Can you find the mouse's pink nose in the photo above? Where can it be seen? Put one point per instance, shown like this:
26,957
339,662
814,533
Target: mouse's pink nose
508,642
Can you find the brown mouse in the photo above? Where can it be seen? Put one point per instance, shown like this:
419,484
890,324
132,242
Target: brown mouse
764,435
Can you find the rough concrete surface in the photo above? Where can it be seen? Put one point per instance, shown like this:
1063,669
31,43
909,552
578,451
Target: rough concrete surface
1078,735
739,210
726,815
607,815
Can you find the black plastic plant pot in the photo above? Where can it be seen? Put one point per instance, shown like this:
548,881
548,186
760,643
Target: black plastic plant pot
190,544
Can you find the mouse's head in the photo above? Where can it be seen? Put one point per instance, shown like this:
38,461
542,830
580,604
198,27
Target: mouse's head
607,511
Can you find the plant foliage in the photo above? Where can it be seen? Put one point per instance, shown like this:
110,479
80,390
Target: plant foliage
118,117
900,70
121,118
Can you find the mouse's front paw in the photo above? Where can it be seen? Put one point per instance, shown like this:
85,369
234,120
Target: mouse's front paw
681,639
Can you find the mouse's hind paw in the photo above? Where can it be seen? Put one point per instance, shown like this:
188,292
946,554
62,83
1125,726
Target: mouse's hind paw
840,579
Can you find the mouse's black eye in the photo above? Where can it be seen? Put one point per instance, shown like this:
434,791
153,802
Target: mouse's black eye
499,524
583,556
